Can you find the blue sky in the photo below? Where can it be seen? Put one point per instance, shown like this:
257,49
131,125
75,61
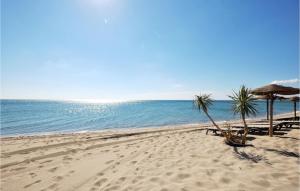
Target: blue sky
129,49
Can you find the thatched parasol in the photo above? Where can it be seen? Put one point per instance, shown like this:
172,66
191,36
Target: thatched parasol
271,91
267,98
295,99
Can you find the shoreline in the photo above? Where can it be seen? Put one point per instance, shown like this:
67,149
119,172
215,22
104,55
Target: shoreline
139,129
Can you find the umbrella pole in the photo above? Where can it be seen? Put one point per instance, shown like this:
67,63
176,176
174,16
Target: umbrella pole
271,116
267,109
295,106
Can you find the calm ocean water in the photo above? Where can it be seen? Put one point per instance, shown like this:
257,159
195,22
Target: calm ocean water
21,117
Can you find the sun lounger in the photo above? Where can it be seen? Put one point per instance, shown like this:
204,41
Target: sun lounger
255,128
287,119
261,127
276,124
216,131
287,124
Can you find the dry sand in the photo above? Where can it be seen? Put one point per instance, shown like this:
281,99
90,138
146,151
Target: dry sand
167,159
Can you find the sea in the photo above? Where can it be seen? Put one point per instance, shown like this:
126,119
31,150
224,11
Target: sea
32,117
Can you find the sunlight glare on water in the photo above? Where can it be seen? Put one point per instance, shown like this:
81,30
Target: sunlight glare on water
36,116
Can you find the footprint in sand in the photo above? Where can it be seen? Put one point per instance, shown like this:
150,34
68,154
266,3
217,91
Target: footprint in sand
65,162
110,161
225,180
183,176
53,169
140,177
134,181
169,173
100,182
278,175
73,151
263,183
216,160
32,175
58,178
100,174
28,185
53,186
46,161
210,172
133,162
68,158
154,179
16,169
112,188
122,179
198,183
70,172
164,189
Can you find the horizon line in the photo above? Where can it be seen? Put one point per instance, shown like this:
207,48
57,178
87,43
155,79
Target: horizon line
102,101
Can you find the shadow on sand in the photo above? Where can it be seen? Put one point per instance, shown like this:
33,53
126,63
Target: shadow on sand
249,156
284,153
294,138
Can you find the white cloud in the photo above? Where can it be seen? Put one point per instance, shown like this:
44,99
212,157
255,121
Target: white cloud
291,81
105,20
177,85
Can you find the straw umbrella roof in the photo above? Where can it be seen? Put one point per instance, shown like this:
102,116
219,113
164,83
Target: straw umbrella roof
269,97
295,98
262,97
281,98
272,90
275,89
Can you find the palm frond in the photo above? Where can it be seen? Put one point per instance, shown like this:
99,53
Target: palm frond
243,102
203,102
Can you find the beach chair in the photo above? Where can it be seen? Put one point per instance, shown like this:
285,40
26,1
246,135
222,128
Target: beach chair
218,132
287,119
255,129
287,124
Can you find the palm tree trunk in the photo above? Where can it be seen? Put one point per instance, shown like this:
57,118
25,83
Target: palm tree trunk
245,130
217,126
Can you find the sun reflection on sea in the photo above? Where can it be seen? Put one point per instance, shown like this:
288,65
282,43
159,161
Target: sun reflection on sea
104,101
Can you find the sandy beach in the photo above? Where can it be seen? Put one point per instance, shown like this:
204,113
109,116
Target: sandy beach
112,95
164,159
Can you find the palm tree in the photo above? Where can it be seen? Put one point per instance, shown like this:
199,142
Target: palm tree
202,102
244,104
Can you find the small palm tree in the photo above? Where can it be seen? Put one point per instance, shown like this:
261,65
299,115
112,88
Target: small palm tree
244,104
202,102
